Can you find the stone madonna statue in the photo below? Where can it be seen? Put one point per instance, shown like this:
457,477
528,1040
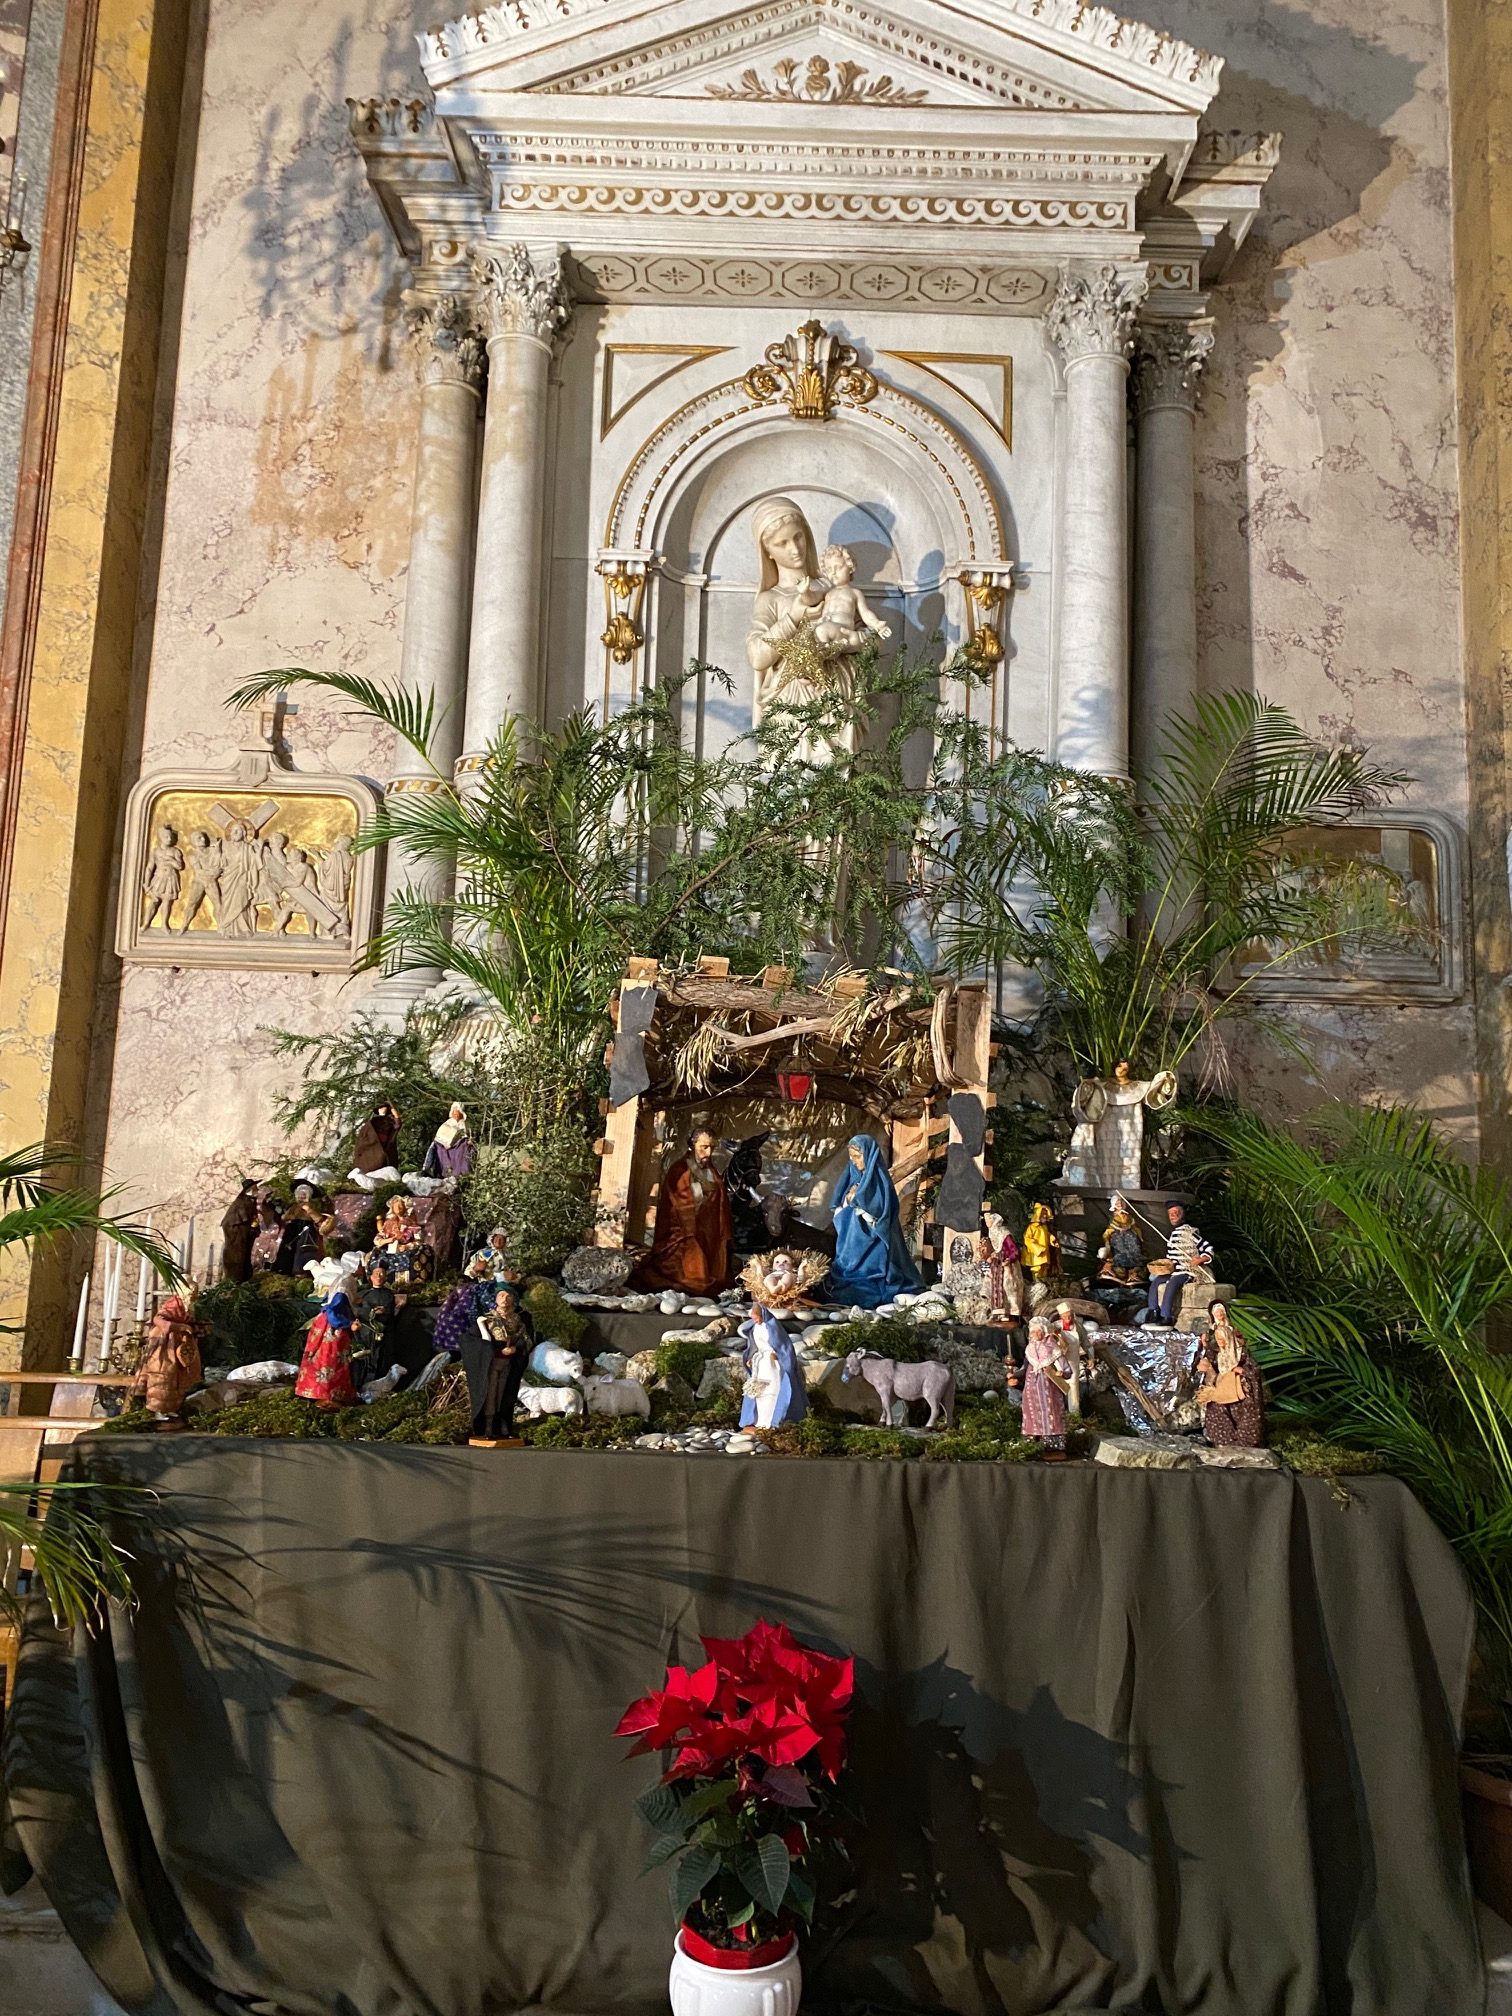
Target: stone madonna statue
806,627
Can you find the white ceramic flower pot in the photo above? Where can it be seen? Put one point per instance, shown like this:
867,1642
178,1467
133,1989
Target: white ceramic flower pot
697,1990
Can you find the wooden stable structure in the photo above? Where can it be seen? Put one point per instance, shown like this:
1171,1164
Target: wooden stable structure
909,1063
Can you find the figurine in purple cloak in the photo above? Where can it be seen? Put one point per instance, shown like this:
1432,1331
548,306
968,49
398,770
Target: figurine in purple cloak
451,1152
774,1393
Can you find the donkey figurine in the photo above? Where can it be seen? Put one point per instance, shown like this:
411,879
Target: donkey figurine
930,1382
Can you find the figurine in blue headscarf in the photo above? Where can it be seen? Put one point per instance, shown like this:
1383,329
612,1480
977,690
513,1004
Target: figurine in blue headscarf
774,1393
325,1369
872,1264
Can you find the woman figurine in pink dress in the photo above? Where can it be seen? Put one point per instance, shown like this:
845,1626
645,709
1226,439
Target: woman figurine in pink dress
1044,1396
325,1370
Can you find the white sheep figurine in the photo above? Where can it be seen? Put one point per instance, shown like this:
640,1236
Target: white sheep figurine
616,1396
537,1401
556,1363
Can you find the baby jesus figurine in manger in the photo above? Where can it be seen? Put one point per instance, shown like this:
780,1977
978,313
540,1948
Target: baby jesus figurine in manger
781,1281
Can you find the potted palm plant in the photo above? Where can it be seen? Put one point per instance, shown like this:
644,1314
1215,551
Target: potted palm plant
742,1814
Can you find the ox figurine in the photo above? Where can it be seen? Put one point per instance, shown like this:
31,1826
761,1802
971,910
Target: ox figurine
930,1382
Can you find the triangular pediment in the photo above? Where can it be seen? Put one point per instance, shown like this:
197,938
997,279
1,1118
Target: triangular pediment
1057,56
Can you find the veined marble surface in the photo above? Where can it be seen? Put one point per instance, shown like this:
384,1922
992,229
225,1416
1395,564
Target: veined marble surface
1326,487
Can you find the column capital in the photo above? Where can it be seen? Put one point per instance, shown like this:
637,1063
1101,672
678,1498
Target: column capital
1092,311
1168,361
449,350
520,295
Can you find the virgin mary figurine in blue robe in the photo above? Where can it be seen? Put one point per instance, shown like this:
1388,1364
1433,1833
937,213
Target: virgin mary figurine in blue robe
872,1264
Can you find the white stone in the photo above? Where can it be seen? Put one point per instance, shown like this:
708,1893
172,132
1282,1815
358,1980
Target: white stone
1146,1452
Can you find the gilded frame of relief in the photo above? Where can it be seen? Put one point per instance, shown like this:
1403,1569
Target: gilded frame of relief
1425,851
253,867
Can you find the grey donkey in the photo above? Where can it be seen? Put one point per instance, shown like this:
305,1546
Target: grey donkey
931,1382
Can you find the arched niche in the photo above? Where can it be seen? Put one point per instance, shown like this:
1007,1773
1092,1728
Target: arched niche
901,492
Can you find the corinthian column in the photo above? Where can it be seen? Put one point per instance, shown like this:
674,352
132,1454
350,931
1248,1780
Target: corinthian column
524,308
433,656
1168,360
1090,323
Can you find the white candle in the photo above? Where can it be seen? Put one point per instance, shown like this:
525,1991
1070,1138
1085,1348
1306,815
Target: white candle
76,1356
141,1301
189,1249
114,1259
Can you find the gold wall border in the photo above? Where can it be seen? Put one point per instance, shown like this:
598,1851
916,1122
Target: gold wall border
610,415
926,359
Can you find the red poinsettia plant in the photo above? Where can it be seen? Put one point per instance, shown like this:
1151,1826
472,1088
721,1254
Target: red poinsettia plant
743,1811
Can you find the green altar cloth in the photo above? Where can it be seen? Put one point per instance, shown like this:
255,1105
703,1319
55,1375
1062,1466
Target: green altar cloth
1176,1742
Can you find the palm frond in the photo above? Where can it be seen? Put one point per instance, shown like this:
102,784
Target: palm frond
412,716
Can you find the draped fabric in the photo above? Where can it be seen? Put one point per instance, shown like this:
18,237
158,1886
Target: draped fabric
1166,1742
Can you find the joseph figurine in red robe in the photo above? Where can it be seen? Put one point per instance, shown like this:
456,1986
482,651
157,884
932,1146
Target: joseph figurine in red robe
690,1246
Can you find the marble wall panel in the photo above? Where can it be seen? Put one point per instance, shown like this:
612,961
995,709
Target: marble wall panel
1327,481
1327,484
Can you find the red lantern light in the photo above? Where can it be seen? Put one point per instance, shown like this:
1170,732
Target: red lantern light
795,1086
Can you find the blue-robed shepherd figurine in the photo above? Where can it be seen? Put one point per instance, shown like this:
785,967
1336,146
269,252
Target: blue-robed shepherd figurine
774,1394
872,1264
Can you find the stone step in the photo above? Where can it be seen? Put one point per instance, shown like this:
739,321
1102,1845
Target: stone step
41,1971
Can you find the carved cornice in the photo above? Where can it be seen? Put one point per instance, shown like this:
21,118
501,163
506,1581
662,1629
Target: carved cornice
449,349
516,297
1092,314
816,82
1130,43
1168,361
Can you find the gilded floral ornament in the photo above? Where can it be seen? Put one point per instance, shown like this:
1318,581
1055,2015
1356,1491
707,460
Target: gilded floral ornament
817,82
810,370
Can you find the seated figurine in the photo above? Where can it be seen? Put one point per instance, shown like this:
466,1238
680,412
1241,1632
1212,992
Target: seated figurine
306,1227
1121,1254
493,1255
1189,1257
693,1231
872,1263
398,1245
1229,1389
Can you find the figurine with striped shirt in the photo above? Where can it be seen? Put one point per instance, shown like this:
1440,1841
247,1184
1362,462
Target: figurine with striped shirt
1188,1254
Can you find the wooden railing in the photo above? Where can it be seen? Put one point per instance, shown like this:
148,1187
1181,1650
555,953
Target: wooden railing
32,1448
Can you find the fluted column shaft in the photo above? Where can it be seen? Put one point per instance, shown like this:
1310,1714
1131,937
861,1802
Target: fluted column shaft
433,654
1168,361
524,307
1090,323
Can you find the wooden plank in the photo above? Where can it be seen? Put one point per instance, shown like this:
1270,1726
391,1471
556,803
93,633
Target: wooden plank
20,1449
972,1059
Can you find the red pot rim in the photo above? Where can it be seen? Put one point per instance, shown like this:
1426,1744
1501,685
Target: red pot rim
738,1959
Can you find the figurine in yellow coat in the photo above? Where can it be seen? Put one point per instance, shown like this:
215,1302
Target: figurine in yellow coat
1042,1253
